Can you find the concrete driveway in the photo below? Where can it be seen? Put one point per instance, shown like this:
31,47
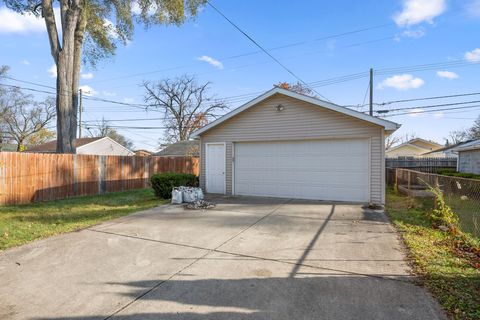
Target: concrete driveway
249,258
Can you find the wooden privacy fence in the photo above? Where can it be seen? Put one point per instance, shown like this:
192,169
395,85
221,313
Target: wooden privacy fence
430,165
32,177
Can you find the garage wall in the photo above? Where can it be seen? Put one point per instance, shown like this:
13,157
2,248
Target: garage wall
298,121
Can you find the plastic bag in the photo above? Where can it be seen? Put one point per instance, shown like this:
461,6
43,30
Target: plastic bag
199,193
189,195
177,196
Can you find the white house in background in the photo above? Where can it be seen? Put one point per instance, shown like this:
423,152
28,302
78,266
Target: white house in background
469,157
412,148
446,152
94,146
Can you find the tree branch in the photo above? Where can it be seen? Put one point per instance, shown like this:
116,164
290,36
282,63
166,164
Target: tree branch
52,31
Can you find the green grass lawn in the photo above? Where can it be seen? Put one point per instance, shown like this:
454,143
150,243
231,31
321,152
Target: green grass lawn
25,223
447,265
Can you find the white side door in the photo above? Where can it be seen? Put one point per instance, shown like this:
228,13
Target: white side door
215,167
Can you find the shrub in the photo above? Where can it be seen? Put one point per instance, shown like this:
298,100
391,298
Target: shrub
163,183
454,173
443,214
446,171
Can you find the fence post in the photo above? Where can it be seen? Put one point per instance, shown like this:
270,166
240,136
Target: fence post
146,172
122,168
101,174
396,180
75,175
408,179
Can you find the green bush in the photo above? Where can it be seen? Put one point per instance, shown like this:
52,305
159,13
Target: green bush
446,171
163,183
454,173
442,214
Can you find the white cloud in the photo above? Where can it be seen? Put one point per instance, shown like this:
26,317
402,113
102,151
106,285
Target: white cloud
109,94
136,8
88,91
402,82
473,8
414,33
138,11
415,112
13,22
87,76
447,75
211,61
25,62
473,56
128,100
52,71
112,30
438,115
418,11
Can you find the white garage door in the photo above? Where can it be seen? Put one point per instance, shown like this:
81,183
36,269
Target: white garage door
321,170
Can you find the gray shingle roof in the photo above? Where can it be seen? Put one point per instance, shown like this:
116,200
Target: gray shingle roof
189,148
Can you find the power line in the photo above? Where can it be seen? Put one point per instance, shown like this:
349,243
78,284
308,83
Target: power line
428,111
428,107
430,98
261,48
288,45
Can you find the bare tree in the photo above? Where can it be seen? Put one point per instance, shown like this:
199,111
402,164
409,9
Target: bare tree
85,26
391,141
24,117
456,136
103,129
4,137
407,137
474,132
184,103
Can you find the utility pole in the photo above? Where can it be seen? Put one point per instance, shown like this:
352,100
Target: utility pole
371,91
80,114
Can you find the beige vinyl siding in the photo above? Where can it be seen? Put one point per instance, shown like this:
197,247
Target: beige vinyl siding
298,121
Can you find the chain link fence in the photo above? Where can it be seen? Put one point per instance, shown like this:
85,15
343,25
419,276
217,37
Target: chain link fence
461,194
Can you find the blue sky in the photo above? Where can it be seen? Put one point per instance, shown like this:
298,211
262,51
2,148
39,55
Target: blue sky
401,33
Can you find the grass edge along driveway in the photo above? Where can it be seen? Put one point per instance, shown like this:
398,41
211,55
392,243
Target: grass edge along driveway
447,265
25,223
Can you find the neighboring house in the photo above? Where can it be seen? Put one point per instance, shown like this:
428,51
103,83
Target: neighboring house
412,148
96,146
142,153
187,148
445,152
8,147
469,157
289,145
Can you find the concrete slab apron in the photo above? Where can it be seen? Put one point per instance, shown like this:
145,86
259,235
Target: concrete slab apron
298,260
288,266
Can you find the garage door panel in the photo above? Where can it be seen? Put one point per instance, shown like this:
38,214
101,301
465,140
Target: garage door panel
322,170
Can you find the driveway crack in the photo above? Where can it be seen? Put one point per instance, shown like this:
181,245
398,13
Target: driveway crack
160,283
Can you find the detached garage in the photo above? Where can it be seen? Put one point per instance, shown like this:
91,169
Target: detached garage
284,144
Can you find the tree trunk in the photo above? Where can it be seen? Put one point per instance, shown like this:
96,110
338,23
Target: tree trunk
77,62
67,71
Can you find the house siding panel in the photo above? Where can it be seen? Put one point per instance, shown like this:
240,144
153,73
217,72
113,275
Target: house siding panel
298,121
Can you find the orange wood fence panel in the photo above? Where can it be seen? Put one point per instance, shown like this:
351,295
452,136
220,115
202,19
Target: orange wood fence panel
34,177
